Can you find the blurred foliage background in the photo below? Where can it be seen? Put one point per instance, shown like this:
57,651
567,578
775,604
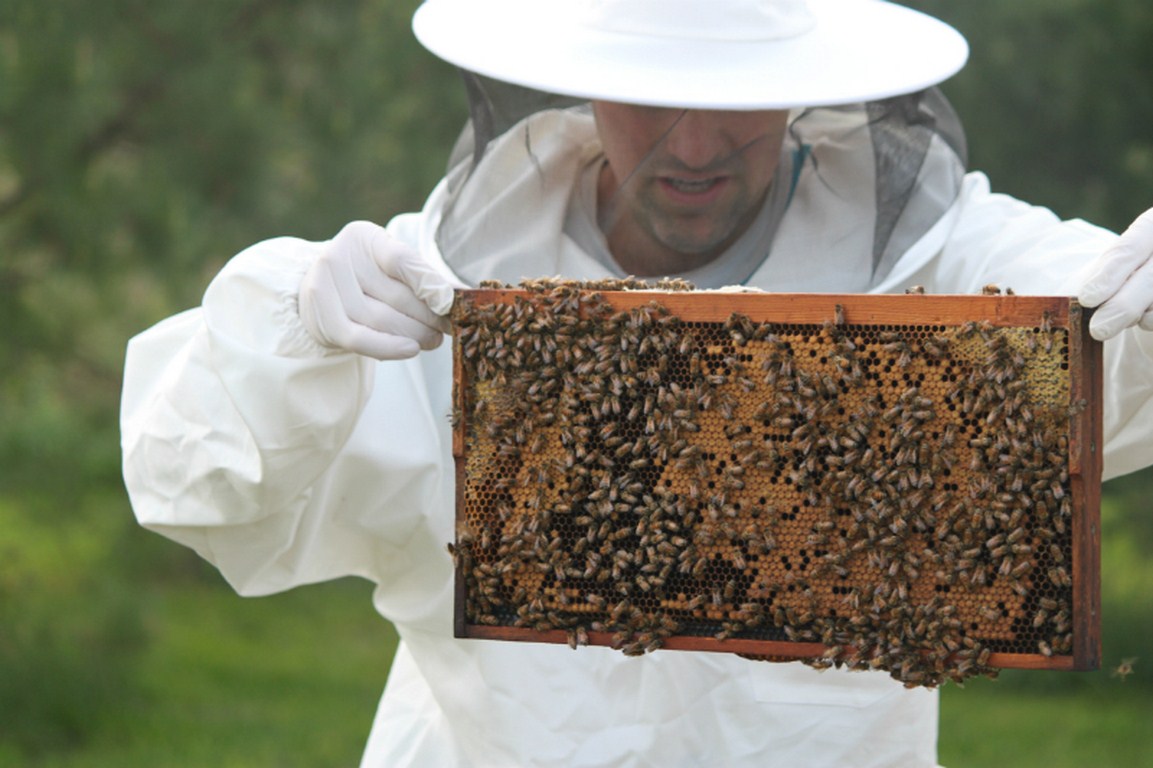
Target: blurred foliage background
143,143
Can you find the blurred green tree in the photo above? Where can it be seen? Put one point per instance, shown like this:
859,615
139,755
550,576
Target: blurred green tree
142,143
1057,101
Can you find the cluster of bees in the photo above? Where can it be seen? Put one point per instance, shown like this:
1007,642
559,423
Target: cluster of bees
897,494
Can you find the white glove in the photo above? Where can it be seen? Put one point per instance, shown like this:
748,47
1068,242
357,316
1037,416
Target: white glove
370,293
1120,282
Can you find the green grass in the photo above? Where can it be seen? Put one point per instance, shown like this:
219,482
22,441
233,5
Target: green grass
1014,722
289,680
293,680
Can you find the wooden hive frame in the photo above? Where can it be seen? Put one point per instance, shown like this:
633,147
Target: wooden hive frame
908,482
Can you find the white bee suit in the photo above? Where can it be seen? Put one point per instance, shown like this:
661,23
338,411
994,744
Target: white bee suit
284,463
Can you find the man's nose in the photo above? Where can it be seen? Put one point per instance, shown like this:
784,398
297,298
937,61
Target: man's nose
696,140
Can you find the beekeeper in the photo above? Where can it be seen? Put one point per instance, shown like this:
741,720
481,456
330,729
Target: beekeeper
295,427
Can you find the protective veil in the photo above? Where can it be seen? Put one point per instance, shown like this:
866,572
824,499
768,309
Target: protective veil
912,148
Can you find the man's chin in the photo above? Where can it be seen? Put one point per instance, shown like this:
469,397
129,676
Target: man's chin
700,249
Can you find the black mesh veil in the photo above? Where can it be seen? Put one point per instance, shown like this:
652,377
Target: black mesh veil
903,129
518,142
494,107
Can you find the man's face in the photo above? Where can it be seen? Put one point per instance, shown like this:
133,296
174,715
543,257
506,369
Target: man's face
681,185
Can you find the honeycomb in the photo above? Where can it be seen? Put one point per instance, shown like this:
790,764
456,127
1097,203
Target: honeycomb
649,468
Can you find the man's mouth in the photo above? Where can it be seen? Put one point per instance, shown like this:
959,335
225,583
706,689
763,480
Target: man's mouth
692,186
693,192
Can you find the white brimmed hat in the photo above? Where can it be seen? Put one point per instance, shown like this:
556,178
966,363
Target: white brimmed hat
705,54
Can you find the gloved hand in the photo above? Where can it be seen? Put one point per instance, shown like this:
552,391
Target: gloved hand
1120,283
370,293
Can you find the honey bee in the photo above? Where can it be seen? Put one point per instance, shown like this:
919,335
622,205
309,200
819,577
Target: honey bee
1124,669
990,614
1060,577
